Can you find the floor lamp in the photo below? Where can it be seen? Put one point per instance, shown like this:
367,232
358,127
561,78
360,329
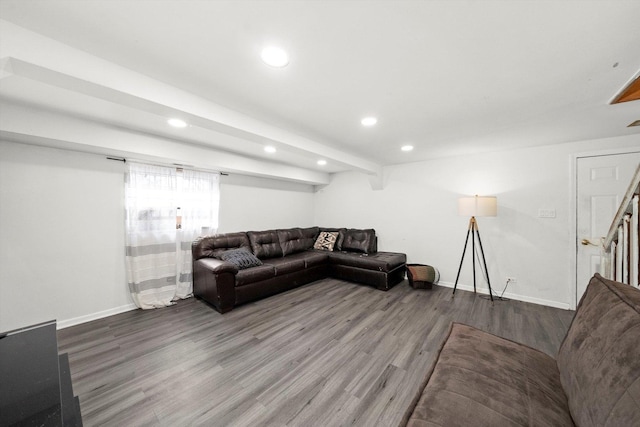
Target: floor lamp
473,207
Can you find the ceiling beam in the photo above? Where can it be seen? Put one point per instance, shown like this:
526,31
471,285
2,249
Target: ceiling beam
25,124
33,56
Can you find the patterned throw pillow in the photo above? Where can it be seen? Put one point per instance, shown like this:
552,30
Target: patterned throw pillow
241,258
326,240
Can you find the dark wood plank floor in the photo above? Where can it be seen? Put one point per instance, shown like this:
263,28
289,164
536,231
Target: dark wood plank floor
330,353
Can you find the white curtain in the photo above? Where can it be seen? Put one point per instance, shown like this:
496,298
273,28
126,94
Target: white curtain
150,203
199,205
158,256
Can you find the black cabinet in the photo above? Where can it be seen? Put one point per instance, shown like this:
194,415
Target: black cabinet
35,381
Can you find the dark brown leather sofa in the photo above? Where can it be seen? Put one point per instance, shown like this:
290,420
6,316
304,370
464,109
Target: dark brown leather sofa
288,261
480,379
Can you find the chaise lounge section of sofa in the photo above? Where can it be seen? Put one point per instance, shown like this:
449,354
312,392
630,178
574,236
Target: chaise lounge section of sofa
286,259
480,379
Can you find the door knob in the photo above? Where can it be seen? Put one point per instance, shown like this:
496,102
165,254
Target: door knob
586,242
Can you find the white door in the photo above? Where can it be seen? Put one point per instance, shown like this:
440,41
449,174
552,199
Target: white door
601,184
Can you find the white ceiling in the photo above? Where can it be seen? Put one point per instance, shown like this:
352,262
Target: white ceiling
449,77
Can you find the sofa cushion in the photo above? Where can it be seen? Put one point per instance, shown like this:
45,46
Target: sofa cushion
241,258
265,244
359,240
287,264
380,261
212,246
340,239
294,240
599,359
255,274
326,240
484,380
313,258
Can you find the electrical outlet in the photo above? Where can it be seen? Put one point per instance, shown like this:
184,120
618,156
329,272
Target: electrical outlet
511,279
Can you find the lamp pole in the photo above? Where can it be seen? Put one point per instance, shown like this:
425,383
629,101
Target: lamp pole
473,230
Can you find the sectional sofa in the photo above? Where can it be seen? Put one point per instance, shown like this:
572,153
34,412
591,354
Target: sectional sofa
235,268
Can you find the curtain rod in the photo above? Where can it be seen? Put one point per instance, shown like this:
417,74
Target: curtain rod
176,165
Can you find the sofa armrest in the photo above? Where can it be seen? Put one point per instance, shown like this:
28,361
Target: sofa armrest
217,266
214,281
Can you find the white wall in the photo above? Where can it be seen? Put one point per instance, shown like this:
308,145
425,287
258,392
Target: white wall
62,231
416,213
61,236
250,203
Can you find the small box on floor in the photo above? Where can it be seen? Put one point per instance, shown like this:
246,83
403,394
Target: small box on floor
422,276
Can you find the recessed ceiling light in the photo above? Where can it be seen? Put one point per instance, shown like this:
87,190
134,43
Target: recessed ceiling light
275,57
322,162
177,123
407,148
270,149
369,121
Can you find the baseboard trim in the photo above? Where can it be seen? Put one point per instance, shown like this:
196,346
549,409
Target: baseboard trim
130,307
95,316
523,298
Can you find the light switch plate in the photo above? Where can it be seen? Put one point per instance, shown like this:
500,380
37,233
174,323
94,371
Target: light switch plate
546,213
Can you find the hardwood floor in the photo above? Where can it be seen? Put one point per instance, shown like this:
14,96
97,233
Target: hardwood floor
330,353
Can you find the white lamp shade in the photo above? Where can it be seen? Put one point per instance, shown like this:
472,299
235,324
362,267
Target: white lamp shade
478,206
